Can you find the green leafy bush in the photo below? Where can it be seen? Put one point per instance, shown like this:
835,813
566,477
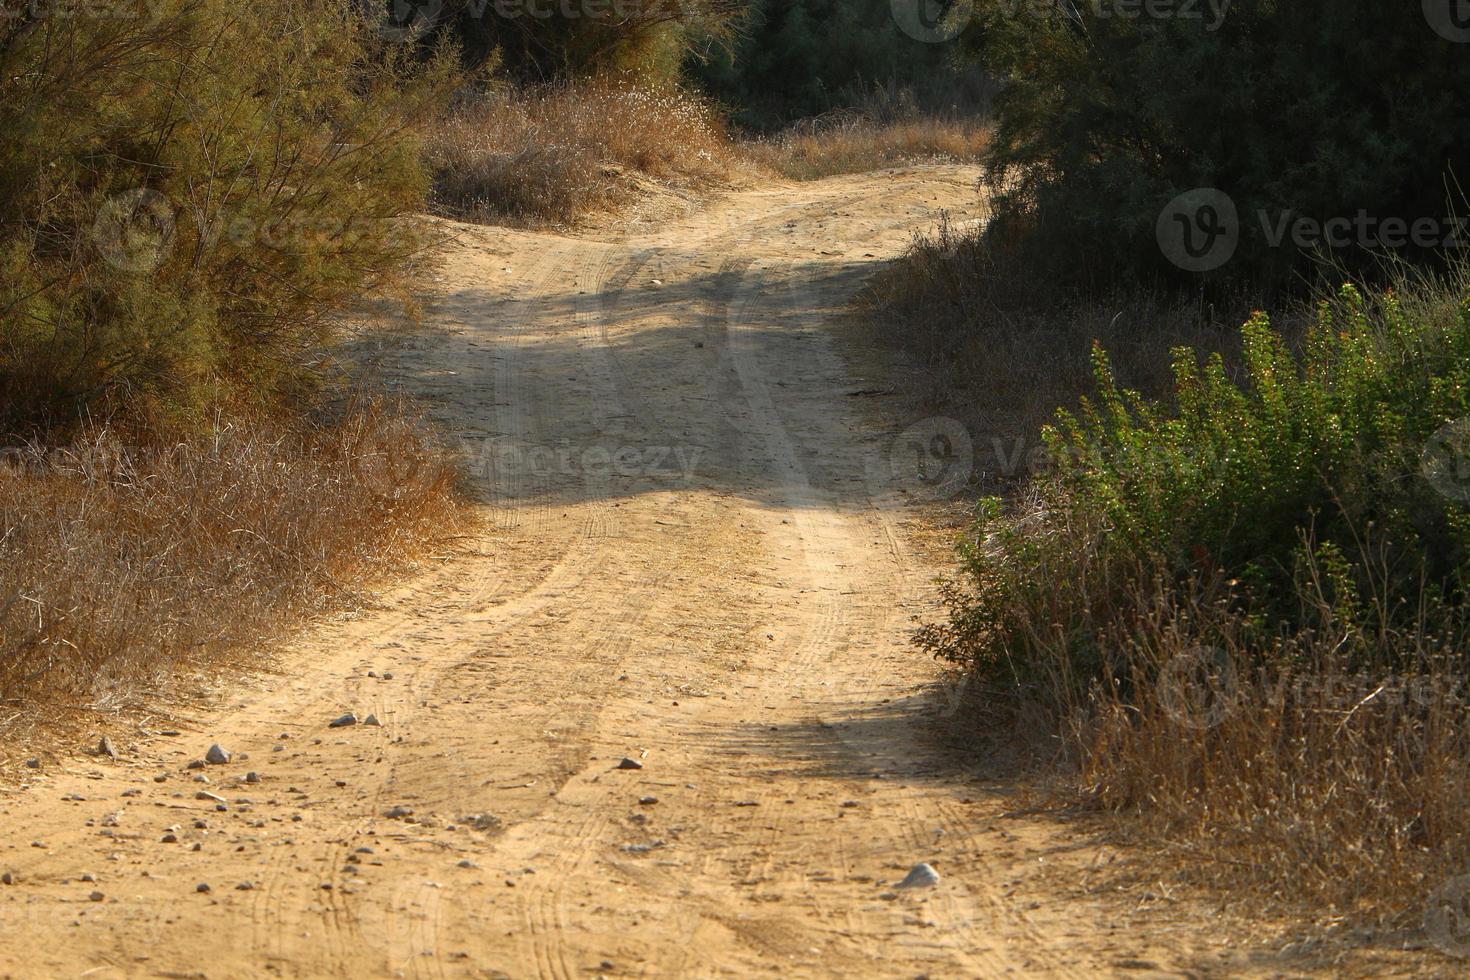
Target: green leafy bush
1241,610
1244,489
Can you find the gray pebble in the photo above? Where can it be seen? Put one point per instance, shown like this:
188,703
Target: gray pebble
920,876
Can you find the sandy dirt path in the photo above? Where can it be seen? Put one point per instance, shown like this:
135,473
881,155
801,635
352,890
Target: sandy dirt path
703,550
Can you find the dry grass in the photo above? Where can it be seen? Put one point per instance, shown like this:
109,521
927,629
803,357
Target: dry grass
125,562
553,155
1322,778
988,342
860,142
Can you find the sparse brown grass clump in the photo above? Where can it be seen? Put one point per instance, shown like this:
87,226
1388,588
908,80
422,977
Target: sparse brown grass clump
128,557
556,154
851,142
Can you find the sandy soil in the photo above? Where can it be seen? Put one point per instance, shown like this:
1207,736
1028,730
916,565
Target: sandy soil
706,537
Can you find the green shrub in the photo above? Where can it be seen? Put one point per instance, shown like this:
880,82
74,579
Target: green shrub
1303,479
188,198
1240,612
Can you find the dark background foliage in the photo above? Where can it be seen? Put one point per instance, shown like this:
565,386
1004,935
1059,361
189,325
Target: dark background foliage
1316,108
806,57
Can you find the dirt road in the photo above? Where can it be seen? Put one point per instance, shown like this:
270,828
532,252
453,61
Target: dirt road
704,544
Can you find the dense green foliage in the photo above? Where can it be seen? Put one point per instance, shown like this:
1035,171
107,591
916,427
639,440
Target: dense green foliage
806,57
186,199
1319,486
1316,108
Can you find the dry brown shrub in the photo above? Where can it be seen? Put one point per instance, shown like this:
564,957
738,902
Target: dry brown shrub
856,142
128,557
556,154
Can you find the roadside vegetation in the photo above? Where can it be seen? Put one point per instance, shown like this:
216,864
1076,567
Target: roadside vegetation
555,154
886,129
134,554
191,204
1223,557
